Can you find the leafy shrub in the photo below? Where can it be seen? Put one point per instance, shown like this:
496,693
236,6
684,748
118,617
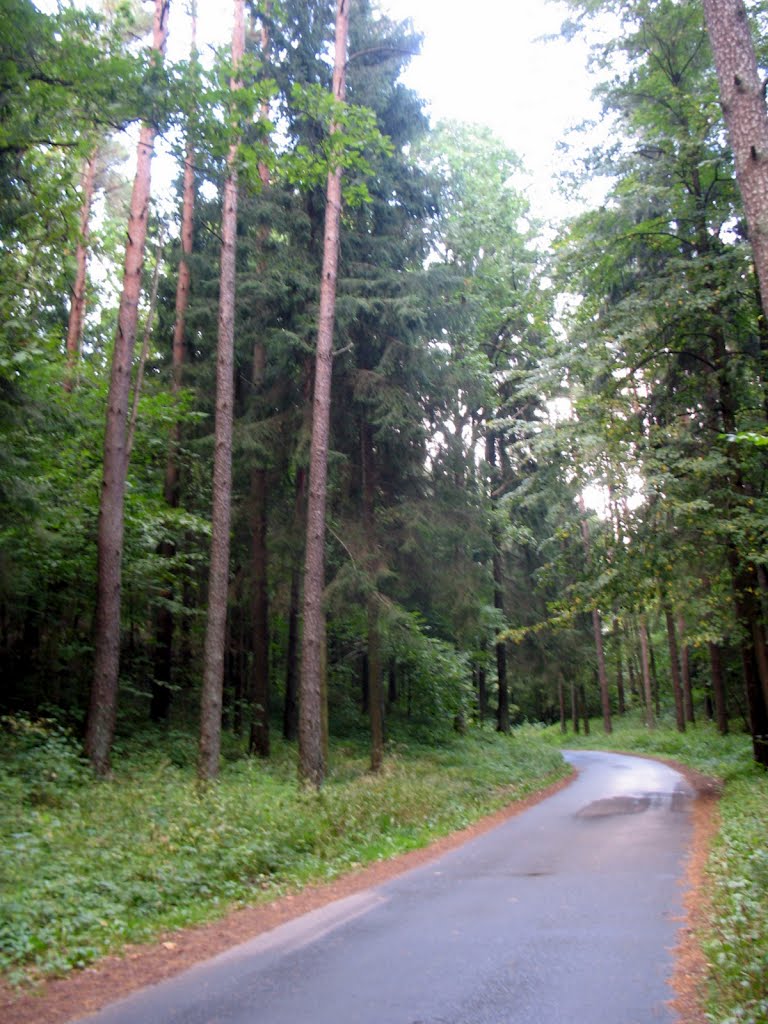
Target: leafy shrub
40,761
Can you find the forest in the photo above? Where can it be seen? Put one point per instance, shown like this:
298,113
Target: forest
531,485
316,438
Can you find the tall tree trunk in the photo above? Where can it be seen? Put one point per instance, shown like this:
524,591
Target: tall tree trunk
743,102
311,758
597,630
164,627
685,670
650,718
259,742
622,703
674,669
482,694
718,688
79,288
144,354
259,696
375,693
102,712
218,578
561,703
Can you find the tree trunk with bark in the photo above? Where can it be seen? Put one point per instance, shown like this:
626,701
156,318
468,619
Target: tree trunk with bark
597,631
650,718
674,669
742,97
164,625
718,688
218,577
311,757
685,671
79,288
102,712
375,689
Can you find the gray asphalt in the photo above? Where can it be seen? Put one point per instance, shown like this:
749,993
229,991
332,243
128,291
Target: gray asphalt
565,914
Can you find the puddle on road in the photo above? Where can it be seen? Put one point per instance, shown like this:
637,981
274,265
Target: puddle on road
628,803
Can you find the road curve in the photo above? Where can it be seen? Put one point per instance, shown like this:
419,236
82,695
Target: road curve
565,914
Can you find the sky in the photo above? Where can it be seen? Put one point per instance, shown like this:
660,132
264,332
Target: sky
485,61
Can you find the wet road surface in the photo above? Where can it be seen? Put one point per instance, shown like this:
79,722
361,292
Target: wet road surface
565,914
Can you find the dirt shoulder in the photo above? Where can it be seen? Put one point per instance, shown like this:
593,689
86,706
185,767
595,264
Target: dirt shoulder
86,991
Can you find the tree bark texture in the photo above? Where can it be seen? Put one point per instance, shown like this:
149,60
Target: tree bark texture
746,118
77,303
674,669
650,718
622,705
597,631
311,758
218,577
259,740
375,687
685,671
164,628
102,711
718,688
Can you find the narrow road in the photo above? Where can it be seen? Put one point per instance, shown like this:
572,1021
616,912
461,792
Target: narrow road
565,914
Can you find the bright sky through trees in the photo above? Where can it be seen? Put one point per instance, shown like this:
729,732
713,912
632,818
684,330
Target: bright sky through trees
492,63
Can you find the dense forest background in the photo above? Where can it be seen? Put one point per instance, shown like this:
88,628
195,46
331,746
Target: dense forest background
546,472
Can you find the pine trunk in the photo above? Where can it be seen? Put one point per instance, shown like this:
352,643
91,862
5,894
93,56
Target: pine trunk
77,303
743,101
164,628
311,755
259,697
102,712
218,578
375,689
685,671
718,688
674,669
650,718
622,703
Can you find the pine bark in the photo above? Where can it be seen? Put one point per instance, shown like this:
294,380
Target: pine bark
311,755
102,712
164,629
685,671
597,632
375,687
259,739
650,718
674,668
718,688
77,302
746,118
218,578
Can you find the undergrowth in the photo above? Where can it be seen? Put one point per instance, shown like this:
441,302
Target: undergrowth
87,866
735,941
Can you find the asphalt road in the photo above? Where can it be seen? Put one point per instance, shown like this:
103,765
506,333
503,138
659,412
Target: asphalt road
565,914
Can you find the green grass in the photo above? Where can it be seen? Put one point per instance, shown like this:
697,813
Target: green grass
86,866
735,940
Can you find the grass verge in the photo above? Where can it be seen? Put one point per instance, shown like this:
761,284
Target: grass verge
735,937
87,867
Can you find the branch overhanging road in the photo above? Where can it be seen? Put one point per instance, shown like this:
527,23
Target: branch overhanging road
565,914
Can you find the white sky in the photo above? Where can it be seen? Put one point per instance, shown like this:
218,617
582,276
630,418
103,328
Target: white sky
484,61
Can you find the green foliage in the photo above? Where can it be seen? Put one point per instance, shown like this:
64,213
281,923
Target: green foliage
40,762
120,861
737,942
